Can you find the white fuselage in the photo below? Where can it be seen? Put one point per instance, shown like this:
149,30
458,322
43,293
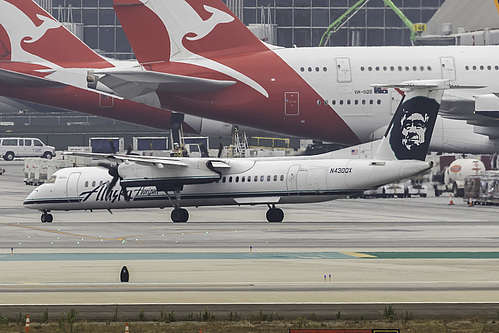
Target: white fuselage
247,182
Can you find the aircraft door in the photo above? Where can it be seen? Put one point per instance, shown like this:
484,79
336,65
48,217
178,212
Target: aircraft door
344,74
448,68
291,103
106,101
72,185
291,179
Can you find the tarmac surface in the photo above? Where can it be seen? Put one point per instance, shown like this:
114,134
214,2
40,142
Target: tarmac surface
353,255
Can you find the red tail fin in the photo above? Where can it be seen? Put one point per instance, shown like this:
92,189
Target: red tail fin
179,29
29,33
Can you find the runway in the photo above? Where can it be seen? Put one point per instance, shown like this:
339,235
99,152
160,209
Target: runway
378,251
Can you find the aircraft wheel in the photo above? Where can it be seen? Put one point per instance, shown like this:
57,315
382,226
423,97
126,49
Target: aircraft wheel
49,218
9,156
48,155
43,218
180,215
275,215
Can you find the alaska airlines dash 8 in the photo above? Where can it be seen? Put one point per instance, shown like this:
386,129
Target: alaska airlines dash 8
145,181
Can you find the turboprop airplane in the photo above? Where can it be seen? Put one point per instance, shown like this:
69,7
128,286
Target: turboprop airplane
146,181
322,92
43,62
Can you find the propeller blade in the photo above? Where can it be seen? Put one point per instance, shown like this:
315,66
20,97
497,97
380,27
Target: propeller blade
220,149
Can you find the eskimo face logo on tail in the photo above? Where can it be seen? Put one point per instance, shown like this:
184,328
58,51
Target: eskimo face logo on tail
412,128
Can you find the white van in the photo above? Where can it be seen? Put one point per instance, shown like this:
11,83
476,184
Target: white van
24,147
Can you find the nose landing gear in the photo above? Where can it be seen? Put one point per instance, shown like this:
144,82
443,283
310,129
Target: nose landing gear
46,217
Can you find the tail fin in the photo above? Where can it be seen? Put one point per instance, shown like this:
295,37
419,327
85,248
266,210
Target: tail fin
161,30
30,34
409,134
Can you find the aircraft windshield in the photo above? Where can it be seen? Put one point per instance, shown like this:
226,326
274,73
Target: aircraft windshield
51,180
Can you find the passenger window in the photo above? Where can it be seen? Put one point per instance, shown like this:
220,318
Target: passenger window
37,143
237,179
27,142
86,183
262,178
230,179
224,179
282,178
268,178
255,179
249,179
93,183
275,178
302,69
324,69
242,179
21,142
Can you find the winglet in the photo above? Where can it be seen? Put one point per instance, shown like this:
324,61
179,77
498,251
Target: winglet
409,134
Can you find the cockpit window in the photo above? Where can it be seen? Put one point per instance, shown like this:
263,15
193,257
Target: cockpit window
51,180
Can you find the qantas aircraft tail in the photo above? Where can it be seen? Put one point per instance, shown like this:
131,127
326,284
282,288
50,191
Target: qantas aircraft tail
409,134
29,34
177,30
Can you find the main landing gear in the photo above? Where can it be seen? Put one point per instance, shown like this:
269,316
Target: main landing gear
178,214
274,214
46,217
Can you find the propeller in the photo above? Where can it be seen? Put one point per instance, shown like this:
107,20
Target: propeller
220,149
204,151
112,169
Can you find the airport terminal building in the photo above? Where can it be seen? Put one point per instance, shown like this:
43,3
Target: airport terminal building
295,22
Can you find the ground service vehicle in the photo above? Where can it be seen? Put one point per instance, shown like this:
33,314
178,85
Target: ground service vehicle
24,147
454,176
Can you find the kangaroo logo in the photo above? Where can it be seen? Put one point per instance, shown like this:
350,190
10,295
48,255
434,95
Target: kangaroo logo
204,28
191,26
21,30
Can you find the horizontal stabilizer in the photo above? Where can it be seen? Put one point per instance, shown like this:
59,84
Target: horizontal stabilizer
25,80
130,84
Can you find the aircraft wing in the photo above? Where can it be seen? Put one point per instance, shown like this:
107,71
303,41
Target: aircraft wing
461,105
20,79
148,160
133,83
143,160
